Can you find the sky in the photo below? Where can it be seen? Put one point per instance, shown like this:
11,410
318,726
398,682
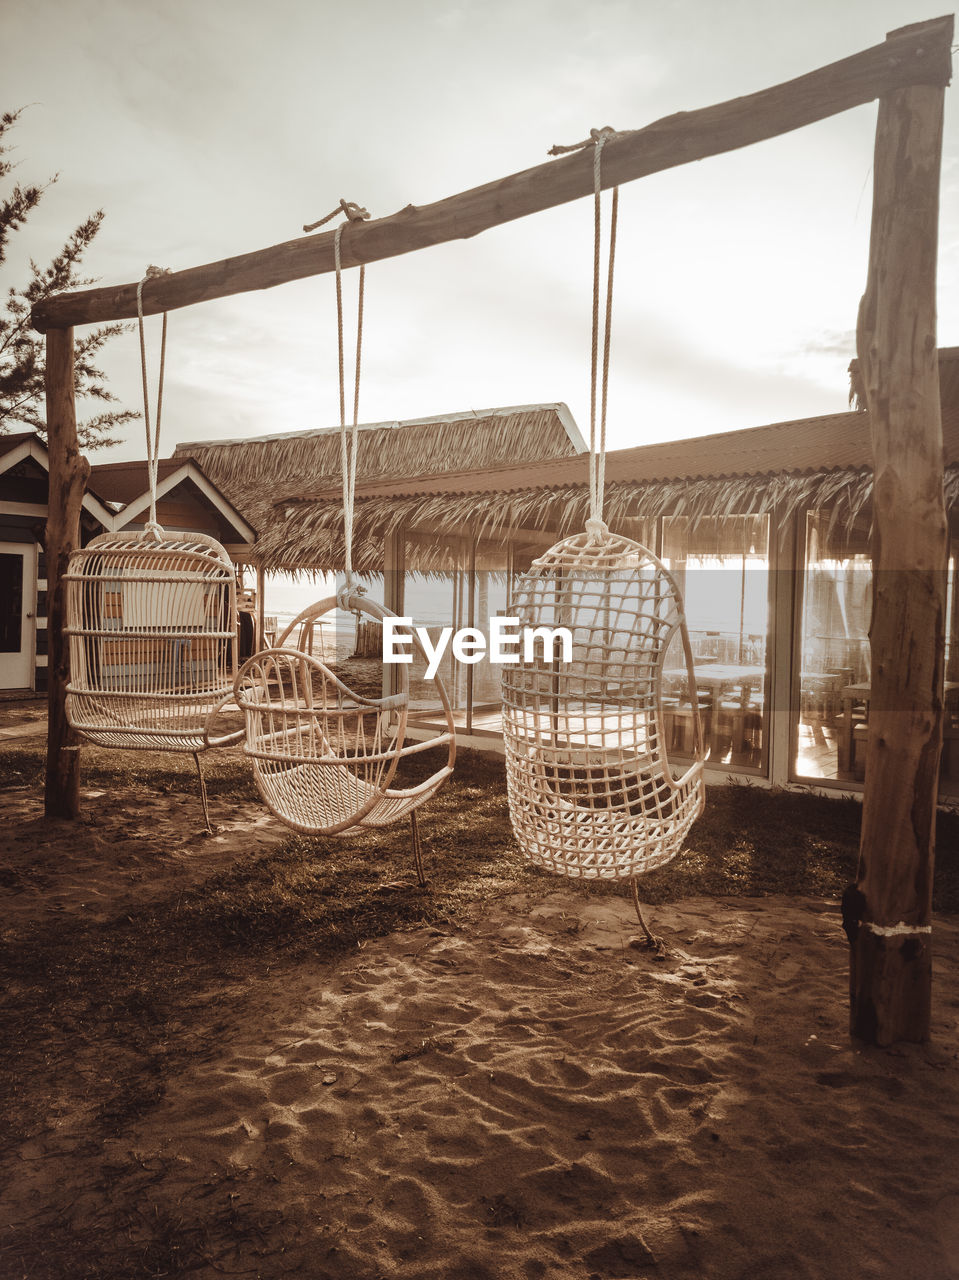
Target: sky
206,128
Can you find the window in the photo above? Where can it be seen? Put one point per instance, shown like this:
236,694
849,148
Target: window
834,655
722,568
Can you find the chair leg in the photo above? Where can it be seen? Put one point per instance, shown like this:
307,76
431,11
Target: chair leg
417,849
652,942
206,807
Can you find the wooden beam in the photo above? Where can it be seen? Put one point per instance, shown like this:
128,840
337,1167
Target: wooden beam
888,912
918,55
69,472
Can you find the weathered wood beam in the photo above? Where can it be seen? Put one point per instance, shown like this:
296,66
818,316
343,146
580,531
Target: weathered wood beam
69,472
918,55
888,912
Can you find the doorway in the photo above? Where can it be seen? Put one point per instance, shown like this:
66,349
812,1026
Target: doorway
17,625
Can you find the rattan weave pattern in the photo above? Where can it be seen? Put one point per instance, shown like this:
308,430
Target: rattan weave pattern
151,621
591,791
324,756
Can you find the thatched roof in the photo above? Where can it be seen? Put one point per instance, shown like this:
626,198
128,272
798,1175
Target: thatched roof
811,462
298,464
260,476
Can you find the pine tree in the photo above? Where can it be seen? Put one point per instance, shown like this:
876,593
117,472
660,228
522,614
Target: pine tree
22,348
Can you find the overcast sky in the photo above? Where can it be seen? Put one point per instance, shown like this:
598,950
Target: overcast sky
207,128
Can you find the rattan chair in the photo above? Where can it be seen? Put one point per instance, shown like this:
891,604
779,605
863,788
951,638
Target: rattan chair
151,621
591,791
324,756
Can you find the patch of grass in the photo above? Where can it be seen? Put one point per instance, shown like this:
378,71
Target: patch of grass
227,773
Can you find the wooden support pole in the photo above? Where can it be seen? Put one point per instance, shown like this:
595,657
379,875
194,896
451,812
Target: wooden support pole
69,472
918,55
260,642
888,912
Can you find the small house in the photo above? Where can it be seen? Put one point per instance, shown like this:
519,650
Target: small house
117,497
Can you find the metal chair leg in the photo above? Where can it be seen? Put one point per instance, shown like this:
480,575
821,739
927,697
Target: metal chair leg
652,942
206,807
417,850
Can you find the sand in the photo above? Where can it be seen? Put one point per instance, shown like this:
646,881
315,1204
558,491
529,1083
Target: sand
523,1094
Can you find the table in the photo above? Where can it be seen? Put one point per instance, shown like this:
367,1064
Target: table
853,694
714,678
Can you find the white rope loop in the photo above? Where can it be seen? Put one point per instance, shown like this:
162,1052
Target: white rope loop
153,442
597,139
597,429
348,448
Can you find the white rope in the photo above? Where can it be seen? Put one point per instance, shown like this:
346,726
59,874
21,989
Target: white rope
895,930
595,525
348,450
153,443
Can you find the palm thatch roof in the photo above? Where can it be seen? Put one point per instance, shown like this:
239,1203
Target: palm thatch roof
822,462
261,476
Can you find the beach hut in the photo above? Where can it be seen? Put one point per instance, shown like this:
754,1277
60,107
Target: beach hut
24,507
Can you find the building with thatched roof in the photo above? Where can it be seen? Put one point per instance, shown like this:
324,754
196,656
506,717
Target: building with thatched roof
767,528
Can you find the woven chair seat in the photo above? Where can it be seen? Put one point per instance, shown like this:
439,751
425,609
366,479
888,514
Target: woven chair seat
151,624
591,790
324,756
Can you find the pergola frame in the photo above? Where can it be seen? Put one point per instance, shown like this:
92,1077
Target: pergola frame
888,912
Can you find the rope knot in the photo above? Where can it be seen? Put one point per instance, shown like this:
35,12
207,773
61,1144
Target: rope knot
155,530
349,208
597,531
597,138
344,593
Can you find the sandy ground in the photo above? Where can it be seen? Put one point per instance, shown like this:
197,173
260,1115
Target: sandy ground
516,1096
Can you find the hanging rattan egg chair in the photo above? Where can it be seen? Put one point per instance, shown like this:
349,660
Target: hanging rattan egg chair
591,790
324,756
151,625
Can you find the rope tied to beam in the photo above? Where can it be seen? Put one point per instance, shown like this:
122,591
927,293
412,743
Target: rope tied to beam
595,526
607,133
153,442
351,210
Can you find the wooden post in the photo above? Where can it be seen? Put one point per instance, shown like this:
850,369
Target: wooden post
69,472
260,641
888,912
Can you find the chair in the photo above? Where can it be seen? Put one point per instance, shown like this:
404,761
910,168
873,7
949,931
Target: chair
323,755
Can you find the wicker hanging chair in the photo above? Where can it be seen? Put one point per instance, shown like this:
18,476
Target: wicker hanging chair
151,620
324,756
591,790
